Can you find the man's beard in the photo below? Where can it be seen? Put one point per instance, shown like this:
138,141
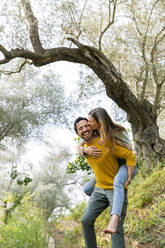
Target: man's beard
93,133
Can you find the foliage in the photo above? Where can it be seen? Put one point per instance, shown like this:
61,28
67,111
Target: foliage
146,206
23,181
50,181
17,197
26,227
139,55
78,164
71,237
16,201
130,33
25,106
77,212
145,221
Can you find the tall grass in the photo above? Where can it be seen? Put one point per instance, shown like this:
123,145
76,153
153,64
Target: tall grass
25,228
146,210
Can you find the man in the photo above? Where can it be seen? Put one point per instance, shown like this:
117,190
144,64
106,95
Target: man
105,168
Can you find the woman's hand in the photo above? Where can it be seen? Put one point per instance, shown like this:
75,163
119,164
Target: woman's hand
100,141
127,183
92,151
130,175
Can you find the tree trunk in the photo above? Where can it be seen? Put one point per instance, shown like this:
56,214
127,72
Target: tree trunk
140,114
148,144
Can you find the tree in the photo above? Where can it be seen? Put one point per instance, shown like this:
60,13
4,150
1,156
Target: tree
50,181
29,104
142,111
8,167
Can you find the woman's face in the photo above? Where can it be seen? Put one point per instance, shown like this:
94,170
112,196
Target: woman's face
93,123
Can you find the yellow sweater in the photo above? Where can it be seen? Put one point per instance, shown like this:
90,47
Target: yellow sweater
106,166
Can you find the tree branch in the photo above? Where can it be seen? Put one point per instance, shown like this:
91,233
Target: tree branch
149,19
19,70
6,130
162,82
80,19
134,19
138,79
144,84
156,104
145,36
143,49
7,55
33,23
156,42
5,52
115,87
76,42
111,20
17,53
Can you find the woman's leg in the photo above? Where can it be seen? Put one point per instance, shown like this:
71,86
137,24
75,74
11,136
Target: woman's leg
118,199
89,186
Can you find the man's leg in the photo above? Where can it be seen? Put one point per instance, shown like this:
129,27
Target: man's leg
96,205
118,240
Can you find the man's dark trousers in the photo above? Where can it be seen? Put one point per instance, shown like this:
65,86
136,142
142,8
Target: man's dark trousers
98,202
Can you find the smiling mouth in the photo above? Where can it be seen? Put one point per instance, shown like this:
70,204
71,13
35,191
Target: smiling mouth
85,134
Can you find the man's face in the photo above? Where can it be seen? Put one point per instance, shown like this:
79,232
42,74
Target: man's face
84,131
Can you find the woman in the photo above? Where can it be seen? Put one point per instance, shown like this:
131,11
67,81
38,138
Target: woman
101,122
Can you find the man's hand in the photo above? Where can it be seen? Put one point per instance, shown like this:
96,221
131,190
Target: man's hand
92,151
127,183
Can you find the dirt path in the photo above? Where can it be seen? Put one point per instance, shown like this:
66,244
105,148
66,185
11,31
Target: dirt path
59,233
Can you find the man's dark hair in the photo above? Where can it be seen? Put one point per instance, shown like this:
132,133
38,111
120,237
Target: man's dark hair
78,120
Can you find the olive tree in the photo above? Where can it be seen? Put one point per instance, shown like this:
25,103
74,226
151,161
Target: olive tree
95,34
27,102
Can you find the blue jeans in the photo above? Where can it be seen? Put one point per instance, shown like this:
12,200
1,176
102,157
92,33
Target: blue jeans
119,181
89,186
98,202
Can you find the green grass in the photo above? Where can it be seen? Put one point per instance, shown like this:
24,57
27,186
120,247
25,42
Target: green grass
145,221
25,228
146,210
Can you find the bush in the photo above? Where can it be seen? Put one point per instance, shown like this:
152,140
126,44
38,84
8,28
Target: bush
77,211
78,164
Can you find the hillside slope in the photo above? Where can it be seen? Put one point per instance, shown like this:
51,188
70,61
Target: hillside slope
145,221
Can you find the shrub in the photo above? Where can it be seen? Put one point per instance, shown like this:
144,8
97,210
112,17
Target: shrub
78,164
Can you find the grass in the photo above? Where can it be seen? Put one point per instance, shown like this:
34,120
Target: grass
25,228
145,221
146,210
